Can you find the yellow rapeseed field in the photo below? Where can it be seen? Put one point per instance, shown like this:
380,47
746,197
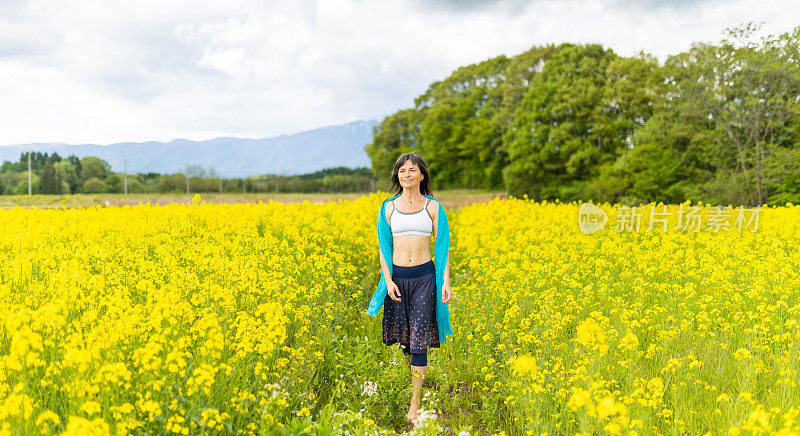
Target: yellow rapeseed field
251,319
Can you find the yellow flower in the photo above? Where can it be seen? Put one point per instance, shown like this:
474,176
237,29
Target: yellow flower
16,404
91,407
607,407
578,399
743,354
46,416
524,365
629,342
613,428
223,304
77,426
591,335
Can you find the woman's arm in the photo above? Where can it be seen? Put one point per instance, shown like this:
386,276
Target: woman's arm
387,275
435,218
446,278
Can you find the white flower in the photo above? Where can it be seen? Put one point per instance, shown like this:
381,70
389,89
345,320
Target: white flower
425,417
464,433
369,388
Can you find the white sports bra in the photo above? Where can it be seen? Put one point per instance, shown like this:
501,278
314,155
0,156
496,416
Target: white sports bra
411,223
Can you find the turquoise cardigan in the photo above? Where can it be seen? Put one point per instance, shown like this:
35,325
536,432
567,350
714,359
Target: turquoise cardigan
441,252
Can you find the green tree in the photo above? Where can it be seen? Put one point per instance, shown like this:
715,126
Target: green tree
395,135
114,183
458,123
577,116
93,186
49,182
22,186
94,167
135,186
459,134
65,170
10,180
53,158
76,162
728,117
751,92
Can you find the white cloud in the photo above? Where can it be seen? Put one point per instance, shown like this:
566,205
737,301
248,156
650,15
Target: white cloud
84,71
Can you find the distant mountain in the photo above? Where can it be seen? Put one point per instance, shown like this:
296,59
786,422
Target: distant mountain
301,153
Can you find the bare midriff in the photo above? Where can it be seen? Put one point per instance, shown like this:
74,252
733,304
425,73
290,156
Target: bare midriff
411,250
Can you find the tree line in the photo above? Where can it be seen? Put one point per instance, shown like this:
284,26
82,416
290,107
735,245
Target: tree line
718,123
52,174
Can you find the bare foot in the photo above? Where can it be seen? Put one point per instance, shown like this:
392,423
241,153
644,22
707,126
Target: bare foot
412,410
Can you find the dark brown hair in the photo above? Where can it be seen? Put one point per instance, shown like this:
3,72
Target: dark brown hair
419,161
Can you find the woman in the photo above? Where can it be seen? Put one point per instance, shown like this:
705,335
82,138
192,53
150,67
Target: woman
414,292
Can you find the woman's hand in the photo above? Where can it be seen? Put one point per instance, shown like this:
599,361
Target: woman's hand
392,290
447,293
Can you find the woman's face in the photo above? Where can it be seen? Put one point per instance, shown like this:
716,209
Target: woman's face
409,174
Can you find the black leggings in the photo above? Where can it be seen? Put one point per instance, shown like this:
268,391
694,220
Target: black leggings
412,320
418,359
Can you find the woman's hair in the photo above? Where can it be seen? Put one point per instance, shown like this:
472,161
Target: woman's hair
419,161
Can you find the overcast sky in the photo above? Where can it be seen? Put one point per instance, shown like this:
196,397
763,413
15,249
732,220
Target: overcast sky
103,71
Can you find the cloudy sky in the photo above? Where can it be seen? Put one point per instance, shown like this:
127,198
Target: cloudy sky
103,71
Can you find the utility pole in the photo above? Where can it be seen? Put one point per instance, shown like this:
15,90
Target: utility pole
244,185
125,174
220,184
29,172
187,182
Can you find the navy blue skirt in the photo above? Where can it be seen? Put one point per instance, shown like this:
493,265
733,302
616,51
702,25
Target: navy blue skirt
411,322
